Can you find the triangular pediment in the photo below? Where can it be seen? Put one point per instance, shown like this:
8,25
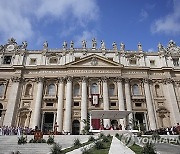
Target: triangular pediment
95,61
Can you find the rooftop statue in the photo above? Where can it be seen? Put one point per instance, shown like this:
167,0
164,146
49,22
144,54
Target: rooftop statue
122,46
12,41
171,44
94,43
114,46
45,45
84,44
64,45
139,47
24,45
103,45
71,45
160,47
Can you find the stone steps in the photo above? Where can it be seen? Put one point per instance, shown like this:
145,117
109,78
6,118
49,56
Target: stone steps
9,144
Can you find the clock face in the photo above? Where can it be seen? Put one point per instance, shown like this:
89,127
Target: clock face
10,47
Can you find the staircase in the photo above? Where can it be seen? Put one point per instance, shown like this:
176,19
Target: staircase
9,144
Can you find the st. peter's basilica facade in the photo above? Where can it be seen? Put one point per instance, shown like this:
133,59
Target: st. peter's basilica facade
41,87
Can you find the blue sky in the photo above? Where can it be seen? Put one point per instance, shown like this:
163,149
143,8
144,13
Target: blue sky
128,21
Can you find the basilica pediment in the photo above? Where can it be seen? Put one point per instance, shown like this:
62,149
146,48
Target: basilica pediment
95,61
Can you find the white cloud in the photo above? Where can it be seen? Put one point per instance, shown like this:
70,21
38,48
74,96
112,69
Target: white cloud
143,15
169,24
86,35
21,19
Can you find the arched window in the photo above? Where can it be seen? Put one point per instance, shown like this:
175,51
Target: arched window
157,90
28,90
94,88
111,90
1,108
76,90
1,90
51,90
135,89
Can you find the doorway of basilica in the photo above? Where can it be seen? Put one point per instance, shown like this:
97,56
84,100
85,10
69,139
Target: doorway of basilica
140,121
75,127
48,122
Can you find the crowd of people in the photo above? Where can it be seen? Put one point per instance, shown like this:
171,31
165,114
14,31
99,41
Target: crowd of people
174,130
8,130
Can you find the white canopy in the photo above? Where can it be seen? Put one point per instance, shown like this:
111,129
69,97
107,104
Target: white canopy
109,114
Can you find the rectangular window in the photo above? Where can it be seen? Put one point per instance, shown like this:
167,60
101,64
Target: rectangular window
152,62
113,104
176,61
33,61
138,104
76,104
133,61
49,104
7,60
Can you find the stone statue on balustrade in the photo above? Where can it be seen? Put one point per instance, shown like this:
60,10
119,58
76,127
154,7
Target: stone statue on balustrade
94,43
64,45
45,45
24,45
84,44
122,46
160,47
139,47
103,47
114,46
71,45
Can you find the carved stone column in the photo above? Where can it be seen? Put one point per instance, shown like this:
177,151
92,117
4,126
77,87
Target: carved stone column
105,100
149,104
83,102
60,104
121,100
38,102
128,99
67,120
171,101
10,115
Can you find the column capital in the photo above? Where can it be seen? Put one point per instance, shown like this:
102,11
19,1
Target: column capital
126,80
39,79
168,80
104,78
146,80
84,78
119,79
16,79
69,78
61,79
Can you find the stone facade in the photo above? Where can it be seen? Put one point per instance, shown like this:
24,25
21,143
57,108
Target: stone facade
41,87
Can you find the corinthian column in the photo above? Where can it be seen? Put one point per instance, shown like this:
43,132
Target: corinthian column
121,100
171,102
128,99
60,104
12,102
149,103
67,120
37,108
105,100
83,102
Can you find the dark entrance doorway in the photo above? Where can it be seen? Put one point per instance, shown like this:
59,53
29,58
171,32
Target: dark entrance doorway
139,120
75,127
48,122
114,124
